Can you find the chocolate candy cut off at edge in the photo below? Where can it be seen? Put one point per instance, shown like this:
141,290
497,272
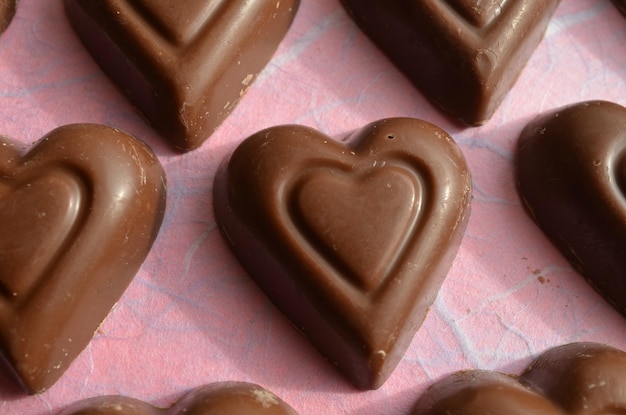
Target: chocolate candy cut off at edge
621,6
577,378
7,11
463,55
184,64
351,242
232,398
80,212
571,176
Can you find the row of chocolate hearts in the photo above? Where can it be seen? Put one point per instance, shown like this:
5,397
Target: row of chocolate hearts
351,241
577,378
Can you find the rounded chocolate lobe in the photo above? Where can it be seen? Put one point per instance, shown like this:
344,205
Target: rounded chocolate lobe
571,172
576,378
232,398
351,242
476,392
582,378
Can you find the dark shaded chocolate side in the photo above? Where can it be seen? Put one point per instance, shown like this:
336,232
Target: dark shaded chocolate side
576,378
571,174
184,64
621,6
80,212
463,55
7,11
232,398
351,242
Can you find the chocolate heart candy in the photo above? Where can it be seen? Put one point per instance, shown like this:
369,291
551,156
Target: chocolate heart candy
571,173
581,378
352,242
184,64
464,55
480,392
577,378
80,212
233,398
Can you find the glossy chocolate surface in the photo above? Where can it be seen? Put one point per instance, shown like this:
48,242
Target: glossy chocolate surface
184,65
463,55
228,398
571,173
576,378
80,212
479,392
581,378
351,242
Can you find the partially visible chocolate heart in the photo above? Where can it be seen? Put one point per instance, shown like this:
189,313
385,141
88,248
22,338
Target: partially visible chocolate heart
621,6
184,64
464,55
351,242
80,212
571,172
7,11
576,378
228,398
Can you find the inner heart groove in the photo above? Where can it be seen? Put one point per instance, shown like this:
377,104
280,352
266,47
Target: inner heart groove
178,21
38,215
358,222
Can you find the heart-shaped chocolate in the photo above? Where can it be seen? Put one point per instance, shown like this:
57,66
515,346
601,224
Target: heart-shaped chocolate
232,398
464,55
184,64
80,212
576,378
571,174
351,242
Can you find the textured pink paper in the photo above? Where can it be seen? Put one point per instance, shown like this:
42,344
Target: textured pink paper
192,316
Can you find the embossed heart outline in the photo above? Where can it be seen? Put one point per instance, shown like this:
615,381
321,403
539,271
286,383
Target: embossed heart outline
362,327
234,398
97,199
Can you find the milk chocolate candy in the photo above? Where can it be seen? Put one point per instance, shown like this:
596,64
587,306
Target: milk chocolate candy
79,214
228,398
480,392
571,174
464,55
581,378
7,11
184,64
576,378
351,242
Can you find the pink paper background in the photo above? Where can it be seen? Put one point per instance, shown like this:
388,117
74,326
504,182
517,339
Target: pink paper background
192,316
